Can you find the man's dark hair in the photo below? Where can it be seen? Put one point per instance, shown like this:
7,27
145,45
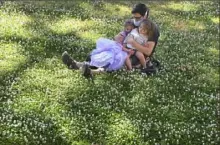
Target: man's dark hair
140,8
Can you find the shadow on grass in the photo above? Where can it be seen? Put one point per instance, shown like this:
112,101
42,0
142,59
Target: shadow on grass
36,49
49,43
29,127
44,45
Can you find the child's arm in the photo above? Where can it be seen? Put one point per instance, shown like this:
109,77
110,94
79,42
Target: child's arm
118,37
125,49
129,36
147,48
129,51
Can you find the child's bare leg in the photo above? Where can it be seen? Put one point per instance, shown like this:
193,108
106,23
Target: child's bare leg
128,63
141,58
79,64
98,71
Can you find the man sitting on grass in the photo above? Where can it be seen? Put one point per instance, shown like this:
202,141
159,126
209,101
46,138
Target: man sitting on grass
139,13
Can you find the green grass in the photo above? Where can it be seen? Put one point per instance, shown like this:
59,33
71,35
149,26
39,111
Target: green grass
42,102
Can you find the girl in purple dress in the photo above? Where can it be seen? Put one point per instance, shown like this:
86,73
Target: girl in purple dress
110,54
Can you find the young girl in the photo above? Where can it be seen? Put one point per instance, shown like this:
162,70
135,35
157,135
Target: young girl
109,54
128,27
140,35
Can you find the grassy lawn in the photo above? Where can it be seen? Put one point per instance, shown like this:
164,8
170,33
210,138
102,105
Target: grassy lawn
42,102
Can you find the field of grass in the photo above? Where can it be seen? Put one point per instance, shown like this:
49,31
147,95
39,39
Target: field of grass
42,102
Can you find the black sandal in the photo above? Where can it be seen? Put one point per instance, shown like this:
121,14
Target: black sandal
86,72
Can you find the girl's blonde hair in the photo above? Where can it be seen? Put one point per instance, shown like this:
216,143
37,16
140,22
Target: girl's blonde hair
149,26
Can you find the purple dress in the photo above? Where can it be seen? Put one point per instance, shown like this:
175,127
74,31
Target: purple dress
109,54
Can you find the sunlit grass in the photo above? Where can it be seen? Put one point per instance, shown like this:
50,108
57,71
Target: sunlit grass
215,20
44,84
11,57
13,24
120,128
90,35
86,29
187,25
214,51
184,6
68,25
109,9
118,10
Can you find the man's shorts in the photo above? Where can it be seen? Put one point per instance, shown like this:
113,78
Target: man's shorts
134,60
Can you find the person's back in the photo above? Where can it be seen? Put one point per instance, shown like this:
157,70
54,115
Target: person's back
155,36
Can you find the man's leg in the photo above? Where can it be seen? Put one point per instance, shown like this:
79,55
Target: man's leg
87,70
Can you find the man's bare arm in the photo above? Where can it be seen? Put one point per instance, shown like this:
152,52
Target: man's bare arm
146,49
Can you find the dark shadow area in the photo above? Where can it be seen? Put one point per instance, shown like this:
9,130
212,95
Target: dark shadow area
38,50
45,45
1,3
29,127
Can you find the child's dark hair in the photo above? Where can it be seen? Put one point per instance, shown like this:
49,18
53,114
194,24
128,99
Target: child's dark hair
129,22
149,26
140,8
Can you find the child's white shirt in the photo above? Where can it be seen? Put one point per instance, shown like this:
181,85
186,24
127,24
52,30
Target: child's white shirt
137,37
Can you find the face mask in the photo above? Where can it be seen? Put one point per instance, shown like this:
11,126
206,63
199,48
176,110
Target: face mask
127,31
137,23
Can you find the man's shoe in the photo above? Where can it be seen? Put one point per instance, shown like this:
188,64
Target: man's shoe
149,70
67,60
86,72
